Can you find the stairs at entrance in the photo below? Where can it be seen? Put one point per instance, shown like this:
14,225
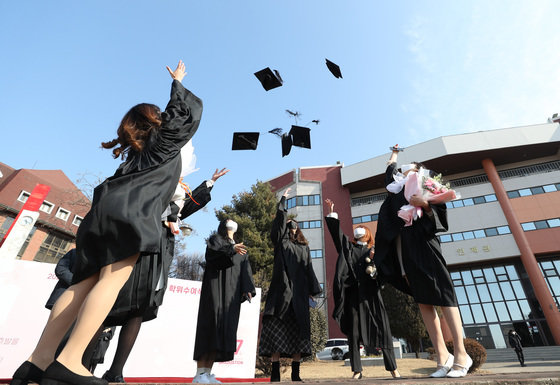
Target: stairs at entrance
535,353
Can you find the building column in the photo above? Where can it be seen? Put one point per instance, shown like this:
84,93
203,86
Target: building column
528,259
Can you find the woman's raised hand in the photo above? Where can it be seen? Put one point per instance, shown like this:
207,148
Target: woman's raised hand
179,72
240,248
287,192
218,174
330,205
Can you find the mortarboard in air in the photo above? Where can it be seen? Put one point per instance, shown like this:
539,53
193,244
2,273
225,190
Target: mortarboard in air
286,144
335,69
245,141
269,79
300,136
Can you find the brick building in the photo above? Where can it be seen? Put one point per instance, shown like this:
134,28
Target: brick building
503,244
60,214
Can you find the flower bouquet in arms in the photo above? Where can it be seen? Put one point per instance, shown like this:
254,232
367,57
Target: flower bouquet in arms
433,189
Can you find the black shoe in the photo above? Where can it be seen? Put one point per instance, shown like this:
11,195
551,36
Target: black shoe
58,374
26,373
110,377
295,371
523,365
275,375
357,376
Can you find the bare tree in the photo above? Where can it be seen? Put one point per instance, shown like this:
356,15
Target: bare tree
187,265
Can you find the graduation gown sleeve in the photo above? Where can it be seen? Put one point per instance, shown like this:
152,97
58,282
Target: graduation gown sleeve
219,253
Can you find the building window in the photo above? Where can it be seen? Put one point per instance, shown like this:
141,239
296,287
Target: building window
492,300
316,253
480,233
77,220
62,214
303,200
46,207
52,249
6,226
365,218
309,224
23,196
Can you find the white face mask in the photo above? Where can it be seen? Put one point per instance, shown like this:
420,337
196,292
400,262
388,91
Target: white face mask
359,232
231,225
406,167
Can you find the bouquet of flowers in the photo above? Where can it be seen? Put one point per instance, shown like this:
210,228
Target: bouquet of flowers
433,189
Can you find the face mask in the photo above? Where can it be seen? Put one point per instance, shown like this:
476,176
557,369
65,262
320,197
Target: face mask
406,167
231,225
292,225
359,232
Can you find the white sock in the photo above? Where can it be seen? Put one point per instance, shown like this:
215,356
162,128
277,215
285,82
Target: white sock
200,371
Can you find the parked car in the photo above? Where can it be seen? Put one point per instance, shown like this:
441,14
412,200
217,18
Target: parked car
337,349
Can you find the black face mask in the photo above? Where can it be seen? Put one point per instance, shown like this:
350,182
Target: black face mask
292,225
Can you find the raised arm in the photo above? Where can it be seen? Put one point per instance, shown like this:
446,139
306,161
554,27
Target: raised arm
333,224
200,196
182,115
279,224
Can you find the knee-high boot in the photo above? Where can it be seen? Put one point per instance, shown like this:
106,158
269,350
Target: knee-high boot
275,375
295,371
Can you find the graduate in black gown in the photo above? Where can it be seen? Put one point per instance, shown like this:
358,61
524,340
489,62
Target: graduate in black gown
286,328
142,294
122,226
358,306
227,282
410,258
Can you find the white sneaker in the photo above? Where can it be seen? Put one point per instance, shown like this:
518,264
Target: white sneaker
212,378
201,378
462,372
443,369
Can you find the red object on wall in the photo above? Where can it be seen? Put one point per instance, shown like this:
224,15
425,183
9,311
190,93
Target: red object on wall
33,203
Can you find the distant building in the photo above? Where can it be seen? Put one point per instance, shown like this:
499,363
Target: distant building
508,218
60,215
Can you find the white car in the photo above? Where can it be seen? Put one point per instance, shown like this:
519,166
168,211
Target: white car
337,349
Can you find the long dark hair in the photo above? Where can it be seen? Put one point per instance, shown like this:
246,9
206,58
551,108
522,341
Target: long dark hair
222,230
298,237
135,128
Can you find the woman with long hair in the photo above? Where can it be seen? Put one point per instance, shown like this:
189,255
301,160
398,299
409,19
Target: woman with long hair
142,295
122,226
286,329
410,258
358,306
227,282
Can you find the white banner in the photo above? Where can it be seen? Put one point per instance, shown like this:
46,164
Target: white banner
18,234
164,347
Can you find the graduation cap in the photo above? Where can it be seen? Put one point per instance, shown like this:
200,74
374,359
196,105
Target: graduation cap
298,136
335,69
245,140
269,79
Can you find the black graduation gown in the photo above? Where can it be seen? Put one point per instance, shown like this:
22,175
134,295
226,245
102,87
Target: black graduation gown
426,271
139,295
293,278
125,217
63,271
227,277
352,283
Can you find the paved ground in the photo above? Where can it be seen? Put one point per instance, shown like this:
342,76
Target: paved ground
503,373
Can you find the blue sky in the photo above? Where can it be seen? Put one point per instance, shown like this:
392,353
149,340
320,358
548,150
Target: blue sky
413,70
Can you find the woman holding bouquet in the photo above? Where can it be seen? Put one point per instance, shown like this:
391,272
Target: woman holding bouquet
410,258
358,306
